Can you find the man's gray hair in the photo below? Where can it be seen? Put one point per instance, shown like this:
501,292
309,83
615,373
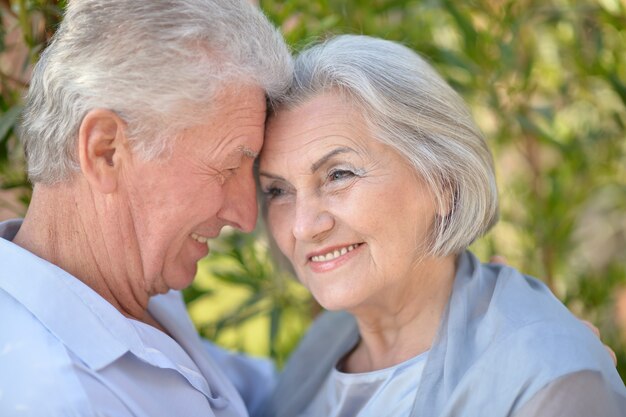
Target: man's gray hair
411,108
157,63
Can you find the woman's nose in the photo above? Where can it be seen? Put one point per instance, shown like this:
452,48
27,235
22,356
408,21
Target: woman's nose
312,221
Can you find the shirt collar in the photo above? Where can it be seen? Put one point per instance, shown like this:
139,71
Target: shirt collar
81,319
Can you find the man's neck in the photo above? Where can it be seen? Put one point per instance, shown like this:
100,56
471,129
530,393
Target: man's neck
57,229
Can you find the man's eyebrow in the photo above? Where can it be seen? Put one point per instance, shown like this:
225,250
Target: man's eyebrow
247,152
316,165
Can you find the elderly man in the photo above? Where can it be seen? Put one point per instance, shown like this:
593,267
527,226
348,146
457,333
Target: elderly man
142,122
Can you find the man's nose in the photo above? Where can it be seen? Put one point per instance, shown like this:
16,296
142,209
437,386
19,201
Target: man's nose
240,205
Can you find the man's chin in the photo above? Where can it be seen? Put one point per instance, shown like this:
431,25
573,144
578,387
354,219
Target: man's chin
184,278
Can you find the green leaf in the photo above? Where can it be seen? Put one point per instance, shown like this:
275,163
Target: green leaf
8,121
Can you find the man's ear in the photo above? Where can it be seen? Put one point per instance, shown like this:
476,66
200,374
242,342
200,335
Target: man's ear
102,145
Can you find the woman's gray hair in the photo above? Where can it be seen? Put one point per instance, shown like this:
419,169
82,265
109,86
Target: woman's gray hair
410,107
158,64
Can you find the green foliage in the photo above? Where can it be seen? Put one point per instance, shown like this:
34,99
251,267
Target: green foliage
546,81
26,27
239,291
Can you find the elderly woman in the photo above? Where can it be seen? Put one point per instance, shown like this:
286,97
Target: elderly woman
376,180
142,124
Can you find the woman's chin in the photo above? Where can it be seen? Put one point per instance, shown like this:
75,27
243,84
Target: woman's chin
335,302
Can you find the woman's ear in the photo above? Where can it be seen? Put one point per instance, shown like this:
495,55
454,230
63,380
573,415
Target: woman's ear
102,145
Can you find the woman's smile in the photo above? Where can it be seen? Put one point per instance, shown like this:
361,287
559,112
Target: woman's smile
330,259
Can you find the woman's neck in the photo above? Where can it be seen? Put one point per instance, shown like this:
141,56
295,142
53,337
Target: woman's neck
403,322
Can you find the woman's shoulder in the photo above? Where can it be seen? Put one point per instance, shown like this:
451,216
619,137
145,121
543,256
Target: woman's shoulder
516,324
331,334
504,338
507,299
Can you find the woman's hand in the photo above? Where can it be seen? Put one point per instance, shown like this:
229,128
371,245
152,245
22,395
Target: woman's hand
596,331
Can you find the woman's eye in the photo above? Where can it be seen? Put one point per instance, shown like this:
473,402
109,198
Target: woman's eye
340,174
273,192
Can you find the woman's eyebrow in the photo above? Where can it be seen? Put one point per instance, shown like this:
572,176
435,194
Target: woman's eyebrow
272,176
316,165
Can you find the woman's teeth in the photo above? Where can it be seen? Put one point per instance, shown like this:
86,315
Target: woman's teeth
334,254
199,238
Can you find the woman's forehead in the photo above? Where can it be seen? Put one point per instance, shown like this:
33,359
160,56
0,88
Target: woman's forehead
321,119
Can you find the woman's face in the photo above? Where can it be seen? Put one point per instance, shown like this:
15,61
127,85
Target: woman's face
349,212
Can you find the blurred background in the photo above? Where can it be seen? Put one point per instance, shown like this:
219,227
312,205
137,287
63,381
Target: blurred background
546,81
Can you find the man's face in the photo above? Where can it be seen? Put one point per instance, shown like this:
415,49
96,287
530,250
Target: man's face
177,203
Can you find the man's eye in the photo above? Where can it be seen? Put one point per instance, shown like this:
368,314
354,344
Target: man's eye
229,172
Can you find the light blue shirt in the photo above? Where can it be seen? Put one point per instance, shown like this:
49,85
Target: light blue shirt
65,351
